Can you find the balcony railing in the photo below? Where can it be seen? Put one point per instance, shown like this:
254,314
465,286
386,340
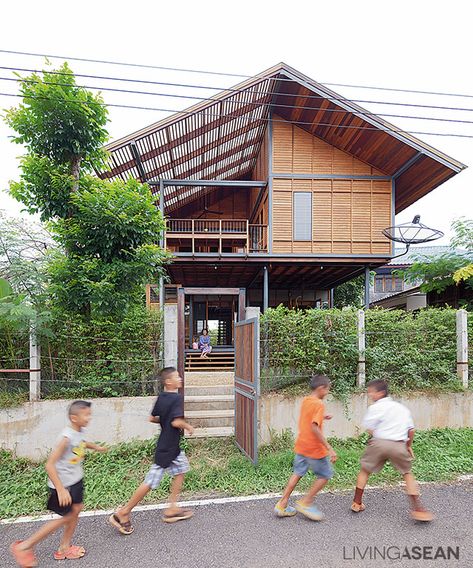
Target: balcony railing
246,238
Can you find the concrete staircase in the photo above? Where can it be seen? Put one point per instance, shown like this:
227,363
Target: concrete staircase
209,403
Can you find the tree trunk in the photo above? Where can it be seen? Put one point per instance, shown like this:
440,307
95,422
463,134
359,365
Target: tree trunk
75,171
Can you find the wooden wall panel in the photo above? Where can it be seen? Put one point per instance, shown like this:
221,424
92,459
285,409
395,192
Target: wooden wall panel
282,151
341,218
322,217
347,216
261,169
297,151
282,213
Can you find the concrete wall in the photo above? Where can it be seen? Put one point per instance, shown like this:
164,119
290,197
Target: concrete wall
454,410
31,430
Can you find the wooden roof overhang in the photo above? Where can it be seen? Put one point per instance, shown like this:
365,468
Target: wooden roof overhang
220,139
284,273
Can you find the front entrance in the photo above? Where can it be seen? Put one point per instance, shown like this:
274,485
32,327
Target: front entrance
217,314
216,309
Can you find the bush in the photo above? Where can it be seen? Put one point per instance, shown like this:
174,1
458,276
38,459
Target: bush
86,359
415,351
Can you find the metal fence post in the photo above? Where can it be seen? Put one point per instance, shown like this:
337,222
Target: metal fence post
35,365
462,347
361,334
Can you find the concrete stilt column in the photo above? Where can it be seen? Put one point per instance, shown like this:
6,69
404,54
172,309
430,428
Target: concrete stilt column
170,335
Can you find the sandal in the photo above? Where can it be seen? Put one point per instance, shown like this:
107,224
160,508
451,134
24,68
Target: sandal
180,515
24,558
123,527
72,553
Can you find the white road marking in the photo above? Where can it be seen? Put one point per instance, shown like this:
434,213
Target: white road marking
212,501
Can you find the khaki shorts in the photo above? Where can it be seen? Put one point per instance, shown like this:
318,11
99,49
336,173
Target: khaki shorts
378,452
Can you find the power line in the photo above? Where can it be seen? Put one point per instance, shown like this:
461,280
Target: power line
269,104
224,74
386,128
234,90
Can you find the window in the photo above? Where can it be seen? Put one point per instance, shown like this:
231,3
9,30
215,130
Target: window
302,216
388,283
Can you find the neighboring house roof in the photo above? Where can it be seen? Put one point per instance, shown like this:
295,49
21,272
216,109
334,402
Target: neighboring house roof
220,138
414,252
395,295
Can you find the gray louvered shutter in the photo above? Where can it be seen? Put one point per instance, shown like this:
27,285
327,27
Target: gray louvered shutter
302,216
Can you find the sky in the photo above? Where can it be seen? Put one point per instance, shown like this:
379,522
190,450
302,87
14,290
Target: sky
421,45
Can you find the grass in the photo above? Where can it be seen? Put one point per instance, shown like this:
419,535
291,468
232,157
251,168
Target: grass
218,468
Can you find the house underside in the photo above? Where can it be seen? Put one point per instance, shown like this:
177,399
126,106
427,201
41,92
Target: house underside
275,191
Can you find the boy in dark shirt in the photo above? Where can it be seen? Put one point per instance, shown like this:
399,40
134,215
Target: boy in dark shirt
168,411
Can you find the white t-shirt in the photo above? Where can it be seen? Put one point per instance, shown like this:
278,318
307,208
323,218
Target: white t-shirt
388,420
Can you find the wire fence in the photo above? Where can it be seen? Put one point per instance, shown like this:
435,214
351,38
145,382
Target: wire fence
117,360
413,352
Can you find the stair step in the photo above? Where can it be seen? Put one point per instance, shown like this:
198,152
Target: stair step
209,403
211,418
209,398
208,390
214,432
209,414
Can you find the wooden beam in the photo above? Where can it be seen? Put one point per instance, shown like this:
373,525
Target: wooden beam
212,291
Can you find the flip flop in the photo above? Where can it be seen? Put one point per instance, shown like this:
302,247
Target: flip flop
123,527
180,515
24,558
72,553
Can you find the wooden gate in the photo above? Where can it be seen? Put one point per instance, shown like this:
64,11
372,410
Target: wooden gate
247,387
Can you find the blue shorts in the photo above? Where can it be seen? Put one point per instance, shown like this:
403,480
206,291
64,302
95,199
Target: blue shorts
321,468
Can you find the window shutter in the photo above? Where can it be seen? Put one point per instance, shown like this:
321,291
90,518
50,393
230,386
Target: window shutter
302,229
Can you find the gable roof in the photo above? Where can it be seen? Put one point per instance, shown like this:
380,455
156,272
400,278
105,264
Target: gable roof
220,138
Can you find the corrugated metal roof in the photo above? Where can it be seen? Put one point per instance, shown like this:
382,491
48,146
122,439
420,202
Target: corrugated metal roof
429,251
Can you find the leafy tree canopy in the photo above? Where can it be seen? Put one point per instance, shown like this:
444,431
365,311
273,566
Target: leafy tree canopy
449,269
106,231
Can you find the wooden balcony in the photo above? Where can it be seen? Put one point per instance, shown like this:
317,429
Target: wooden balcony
216,236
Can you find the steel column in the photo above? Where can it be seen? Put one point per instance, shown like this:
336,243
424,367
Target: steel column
265,289
367,287
181,334
270,183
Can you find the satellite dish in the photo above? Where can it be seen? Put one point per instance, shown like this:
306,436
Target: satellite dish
413,233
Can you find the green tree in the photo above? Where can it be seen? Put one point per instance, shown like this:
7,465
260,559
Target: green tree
106,231
350,294
449,269
62,126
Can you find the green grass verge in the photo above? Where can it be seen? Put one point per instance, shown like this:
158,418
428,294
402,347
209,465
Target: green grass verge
218,468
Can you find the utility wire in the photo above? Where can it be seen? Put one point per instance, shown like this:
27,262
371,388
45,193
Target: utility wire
239,102
234,90
224,74
359,114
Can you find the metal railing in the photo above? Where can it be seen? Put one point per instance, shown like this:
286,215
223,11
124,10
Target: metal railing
255,236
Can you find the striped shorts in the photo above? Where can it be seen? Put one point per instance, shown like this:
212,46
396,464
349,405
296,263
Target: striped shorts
155,474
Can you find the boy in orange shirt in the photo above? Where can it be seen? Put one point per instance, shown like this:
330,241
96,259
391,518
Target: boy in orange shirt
312,452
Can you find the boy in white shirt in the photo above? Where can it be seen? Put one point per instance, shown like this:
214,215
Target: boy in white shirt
391,428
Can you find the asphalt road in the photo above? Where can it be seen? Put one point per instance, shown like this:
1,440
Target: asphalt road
248,535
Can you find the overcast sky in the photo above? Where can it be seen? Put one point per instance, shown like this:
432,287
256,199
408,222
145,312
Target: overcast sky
421,45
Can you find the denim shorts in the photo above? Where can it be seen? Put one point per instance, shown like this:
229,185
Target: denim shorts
321,468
